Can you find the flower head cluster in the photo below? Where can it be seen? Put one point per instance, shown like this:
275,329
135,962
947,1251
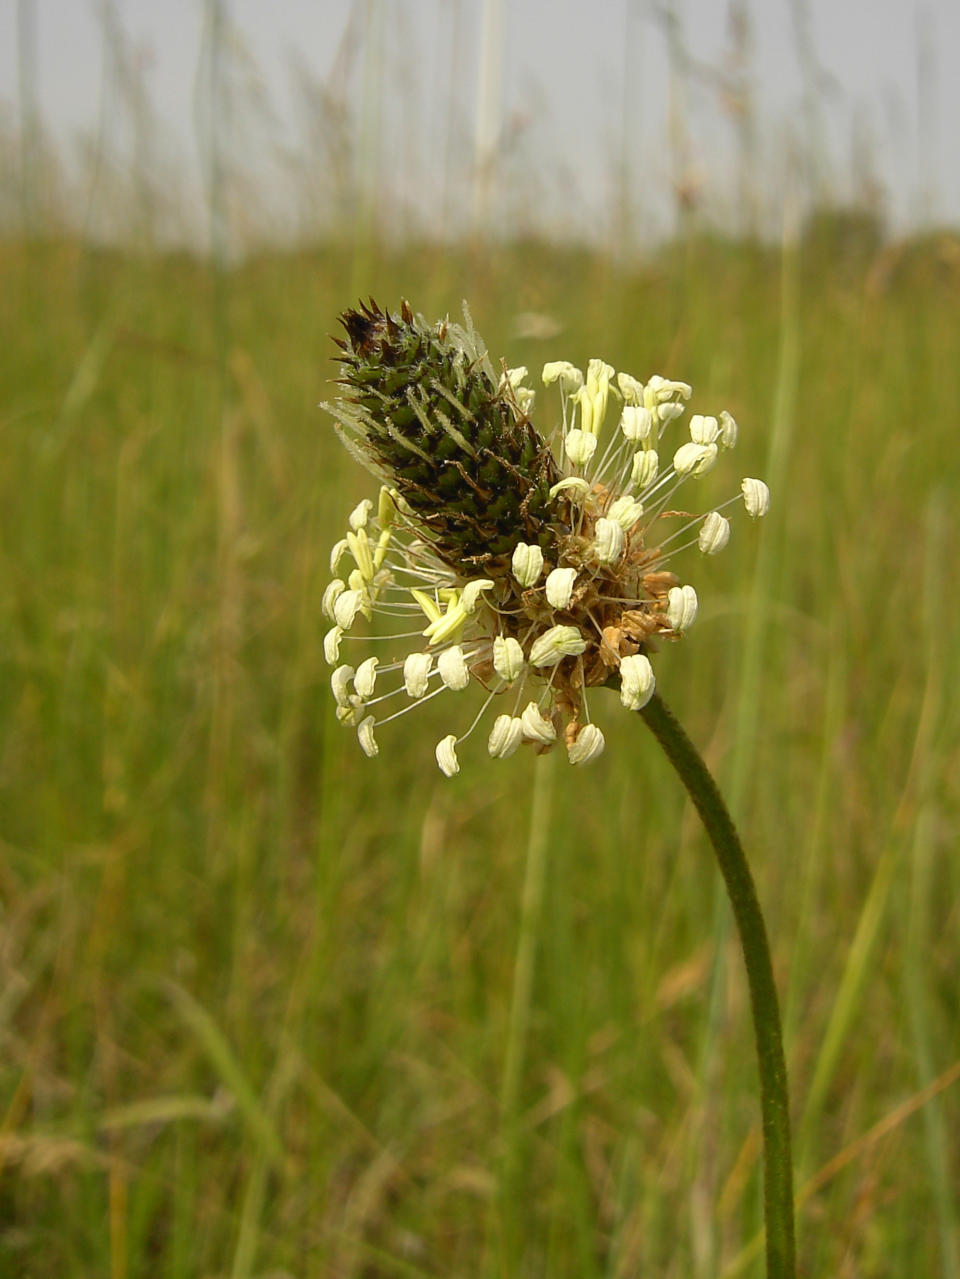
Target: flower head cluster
534,568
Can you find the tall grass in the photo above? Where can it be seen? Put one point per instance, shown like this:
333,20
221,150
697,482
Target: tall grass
260,1008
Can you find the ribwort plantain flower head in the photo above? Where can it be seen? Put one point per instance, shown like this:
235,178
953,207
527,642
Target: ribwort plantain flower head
533,567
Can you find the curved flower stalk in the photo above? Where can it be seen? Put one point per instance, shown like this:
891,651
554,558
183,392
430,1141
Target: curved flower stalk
533,566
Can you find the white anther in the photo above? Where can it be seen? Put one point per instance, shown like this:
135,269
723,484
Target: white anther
507,658
588,746
637,681
728,430
704,430
527,563
331,645
536,727
667,412
366,739
366,677
608,540
416,671
681,607
453,668
339,682
559,586
756,498
715,533
346,607
447,756
525,399
505,736
515,377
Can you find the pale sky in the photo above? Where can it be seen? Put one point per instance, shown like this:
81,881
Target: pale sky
424,113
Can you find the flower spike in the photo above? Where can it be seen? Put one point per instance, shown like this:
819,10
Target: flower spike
532,566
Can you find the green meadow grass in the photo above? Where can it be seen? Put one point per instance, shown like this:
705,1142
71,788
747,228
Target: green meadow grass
268,1008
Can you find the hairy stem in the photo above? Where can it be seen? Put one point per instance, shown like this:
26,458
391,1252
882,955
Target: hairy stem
774,1100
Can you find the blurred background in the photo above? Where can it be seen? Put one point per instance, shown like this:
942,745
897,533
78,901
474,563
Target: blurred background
268,1008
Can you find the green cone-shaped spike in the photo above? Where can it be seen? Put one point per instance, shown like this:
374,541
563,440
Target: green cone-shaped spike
423,406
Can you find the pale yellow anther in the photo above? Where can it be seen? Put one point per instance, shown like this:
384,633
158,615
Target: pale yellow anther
430,607
636,423
360,514
472,591
662,389
386,507
694,459
335,588
550,648
448,626
630,388
359,544
562,371
383,541
572,482
523,395
626,511
346,606
579,446
593,396
646,463
336,555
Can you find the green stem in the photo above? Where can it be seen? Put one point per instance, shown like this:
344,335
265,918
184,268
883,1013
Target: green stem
774,1101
